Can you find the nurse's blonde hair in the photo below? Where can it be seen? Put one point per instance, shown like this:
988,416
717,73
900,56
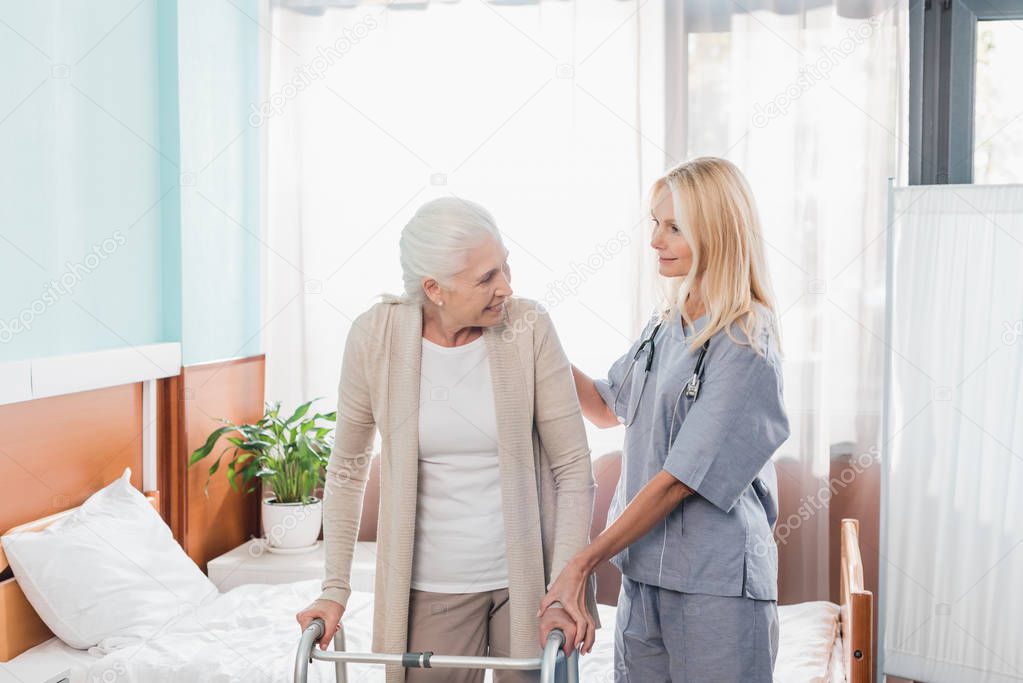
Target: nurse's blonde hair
716,213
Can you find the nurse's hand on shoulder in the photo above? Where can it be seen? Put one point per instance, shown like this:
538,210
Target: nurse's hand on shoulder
569,589
329,611
556,617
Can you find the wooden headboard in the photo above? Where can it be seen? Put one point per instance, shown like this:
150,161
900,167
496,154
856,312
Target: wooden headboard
20,626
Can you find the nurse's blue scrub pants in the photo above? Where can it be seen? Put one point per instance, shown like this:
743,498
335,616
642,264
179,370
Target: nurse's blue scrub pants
663,636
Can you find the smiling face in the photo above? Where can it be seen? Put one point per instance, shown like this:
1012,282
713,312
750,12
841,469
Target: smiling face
674,256
475,297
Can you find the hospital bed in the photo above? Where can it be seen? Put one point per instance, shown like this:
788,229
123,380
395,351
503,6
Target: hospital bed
246,634
250,634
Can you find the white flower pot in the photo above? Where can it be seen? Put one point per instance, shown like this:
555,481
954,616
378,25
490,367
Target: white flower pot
291,525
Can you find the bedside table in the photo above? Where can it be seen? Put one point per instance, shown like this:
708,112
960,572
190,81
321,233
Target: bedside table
251,562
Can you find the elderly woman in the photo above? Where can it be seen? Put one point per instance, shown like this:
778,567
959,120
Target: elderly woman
486,489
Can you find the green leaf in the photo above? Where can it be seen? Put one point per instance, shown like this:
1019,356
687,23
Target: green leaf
299,412
245,456
205,449
214,467
232,474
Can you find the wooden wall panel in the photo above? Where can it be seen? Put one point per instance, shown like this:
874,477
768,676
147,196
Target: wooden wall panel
55,452
171,456
232,390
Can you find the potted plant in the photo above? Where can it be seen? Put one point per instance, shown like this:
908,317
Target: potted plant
290,457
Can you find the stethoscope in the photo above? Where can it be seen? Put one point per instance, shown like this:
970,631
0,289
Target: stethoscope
691,390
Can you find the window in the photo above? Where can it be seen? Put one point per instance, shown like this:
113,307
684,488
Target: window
966,111
998,106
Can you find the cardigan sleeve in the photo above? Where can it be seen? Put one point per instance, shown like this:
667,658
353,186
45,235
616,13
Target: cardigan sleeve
348,467
559,423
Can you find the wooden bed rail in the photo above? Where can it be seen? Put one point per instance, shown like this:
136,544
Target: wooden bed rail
857,609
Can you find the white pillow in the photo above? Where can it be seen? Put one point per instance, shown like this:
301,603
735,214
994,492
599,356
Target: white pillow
108,574
807,633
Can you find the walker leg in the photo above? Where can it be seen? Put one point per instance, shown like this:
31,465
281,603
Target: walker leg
303,657
340,668
549,660
572,664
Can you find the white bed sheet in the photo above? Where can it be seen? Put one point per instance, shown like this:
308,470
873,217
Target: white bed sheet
44,661
247,634
809,647
837,666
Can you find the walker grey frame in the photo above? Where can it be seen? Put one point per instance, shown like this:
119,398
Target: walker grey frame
307,652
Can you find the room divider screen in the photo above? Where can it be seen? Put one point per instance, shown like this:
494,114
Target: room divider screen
952,510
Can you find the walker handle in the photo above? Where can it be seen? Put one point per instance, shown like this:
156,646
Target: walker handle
547,663
310,636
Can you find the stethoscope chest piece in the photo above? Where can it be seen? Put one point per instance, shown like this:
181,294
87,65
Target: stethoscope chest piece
692,387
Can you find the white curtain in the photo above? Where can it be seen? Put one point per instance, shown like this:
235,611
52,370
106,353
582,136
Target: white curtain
549,114
553,114
954,462
807,104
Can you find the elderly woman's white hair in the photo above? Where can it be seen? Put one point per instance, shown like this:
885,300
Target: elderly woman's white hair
437,239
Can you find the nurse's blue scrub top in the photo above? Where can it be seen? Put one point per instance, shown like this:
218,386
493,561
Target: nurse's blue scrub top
719,541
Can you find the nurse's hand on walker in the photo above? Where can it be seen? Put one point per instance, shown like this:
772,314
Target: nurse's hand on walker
569,589
662,494
557,617
329,611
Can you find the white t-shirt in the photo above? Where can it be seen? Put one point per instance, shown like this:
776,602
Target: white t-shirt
460,542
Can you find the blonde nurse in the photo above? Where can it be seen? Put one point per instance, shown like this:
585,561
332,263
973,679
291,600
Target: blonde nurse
700,395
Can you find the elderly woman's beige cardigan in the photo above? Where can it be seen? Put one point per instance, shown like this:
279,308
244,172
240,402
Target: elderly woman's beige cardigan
544,461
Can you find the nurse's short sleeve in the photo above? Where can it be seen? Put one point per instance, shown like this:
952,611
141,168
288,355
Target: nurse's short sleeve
609,388
732,429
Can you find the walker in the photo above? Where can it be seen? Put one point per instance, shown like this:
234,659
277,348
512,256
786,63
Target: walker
547,663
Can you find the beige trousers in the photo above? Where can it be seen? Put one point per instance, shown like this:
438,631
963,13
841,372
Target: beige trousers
469,624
